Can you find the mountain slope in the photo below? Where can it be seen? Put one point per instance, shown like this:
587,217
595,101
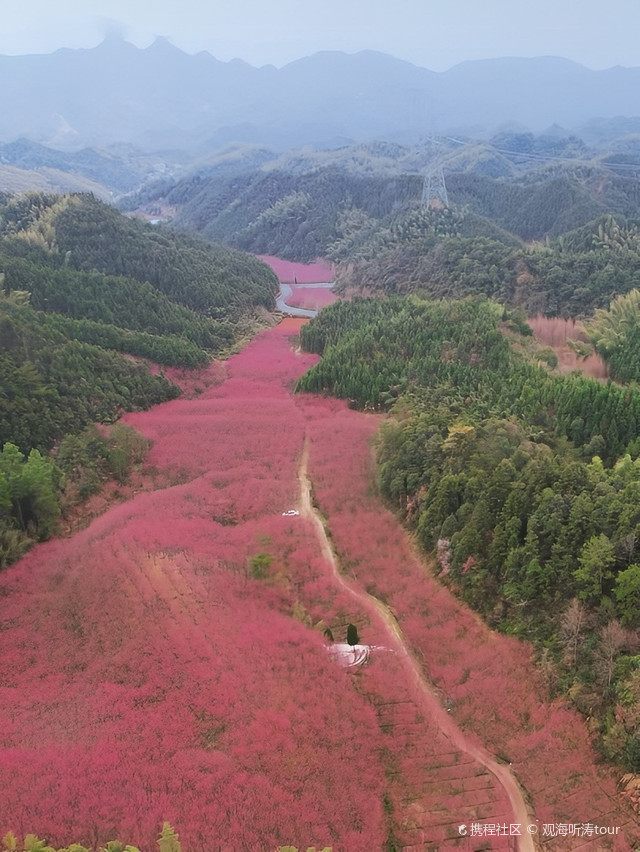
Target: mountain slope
84,286
305,204
27,165
161,97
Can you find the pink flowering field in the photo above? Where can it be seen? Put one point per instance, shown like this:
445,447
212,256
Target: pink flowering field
496,692
149,672
290,272
169,662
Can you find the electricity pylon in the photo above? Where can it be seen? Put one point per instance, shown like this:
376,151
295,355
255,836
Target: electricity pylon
434,189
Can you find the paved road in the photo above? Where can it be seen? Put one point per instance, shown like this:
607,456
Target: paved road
285,293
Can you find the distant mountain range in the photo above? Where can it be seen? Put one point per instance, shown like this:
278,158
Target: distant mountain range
162,99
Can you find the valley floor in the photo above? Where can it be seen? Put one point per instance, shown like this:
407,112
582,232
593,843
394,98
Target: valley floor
169,662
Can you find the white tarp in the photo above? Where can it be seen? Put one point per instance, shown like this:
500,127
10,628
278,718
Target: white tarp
349,655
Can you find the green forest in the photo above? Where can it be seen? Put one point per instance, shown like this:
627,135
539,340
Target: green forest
514,190
88,298
452,253
556,234
525,482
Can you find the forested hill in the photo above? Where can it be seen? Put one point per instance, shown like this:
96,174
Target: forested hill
81,233
441,253
87,297
279,211
81,283
560,243
512,200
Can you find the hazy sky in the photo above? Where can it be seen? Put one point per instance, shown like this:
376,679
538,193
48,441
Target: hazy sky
435,34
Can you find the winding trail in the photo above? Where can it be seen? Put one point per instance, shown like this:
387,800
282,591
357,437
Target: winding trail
429,697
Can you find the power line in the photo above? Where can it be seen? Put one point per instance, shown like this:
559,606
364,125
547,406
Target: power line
547,157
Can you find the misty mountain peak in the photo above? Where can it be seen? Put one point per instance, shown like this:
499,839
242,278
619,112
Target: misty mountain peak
161,97
161,44
114,41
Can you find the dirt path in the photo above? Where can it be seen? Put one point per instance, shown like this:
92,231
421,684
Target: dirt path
430,700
